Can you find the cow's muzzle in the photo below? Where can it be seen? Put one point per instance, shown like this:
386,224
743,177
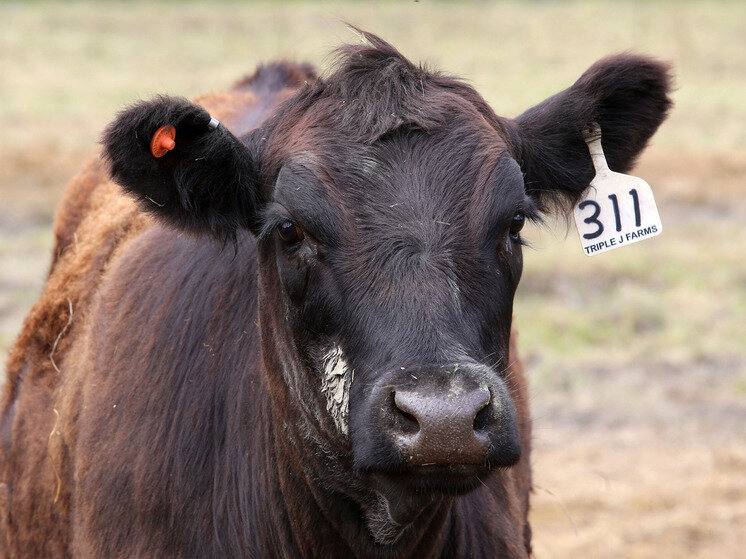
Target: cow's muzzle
431,419
441,428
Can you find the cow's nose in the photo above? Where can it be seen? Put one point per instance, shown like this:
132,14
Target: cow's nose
443,428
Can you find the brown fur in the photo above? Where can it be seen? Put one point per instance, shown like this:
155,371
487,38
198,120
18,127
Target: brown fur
94,224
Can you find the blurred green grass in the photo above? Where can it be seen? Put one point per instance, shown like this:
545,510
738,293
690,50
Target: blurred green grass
680,298
673,301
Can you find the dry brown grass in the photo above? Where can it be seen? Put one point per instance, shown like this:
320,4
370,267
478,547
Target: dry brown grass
637,497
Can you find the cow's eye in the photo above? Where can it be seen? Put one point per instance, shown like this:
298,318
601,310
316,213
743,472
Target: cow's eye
290,233
516,224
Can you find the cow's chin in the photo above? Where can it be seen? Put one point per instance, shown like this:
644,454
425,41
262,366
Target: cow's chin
403,496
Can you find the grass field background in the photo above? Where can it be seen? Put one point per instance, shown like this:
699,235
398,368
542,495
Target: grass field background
637,357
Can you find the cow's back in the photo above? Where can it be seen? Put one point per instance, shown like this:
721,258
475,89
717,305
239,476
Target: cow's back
104,243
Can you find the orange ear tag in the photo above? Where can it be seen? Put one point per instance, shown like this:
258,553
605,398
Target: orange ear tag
163,141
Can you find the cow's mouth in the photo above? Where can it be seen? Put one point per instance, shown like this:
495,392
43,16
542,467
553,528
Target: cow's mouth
435,479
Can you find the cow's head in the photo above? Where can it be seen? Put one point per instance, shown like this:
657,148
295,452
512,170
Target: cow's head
388,203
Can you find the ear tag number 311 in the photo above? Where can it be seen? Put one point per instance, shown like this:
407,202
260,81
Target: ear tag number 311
617,209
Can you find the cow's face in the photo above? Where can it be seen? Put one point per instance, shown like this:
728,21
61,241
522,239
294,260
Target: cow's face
397,261
388,203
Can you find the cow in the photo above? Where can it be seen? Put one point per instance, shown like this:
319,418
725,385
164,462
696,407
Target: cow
285,330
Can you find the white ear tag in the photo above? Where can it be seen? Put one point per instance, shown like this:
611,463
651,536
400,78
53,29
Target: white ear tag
617,209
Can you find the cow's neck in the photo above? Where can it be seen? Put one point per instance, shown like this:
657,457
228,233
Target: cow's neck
329,513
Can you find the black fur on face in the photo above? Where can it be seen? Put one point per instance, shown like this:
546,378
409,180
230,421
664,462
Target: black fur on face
385,199
408,262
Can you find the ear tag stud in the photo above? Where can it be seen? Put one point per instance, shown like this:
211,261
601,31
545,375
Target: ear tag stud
617,209
163,141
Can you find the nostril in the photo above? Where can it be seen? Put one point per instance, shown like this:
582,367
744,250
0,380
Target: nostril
407,422
484,416
482,419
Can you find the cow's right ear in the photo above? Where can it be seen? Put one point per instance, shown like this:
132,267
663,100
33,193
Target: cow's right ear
205,180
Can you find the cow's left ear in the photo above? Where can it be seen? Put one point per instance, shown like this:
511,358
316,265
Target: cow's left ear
627,95
183,166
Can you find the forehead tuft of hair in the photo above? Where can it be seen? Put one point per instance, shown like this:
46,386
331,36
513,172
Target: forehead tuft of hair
376,90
